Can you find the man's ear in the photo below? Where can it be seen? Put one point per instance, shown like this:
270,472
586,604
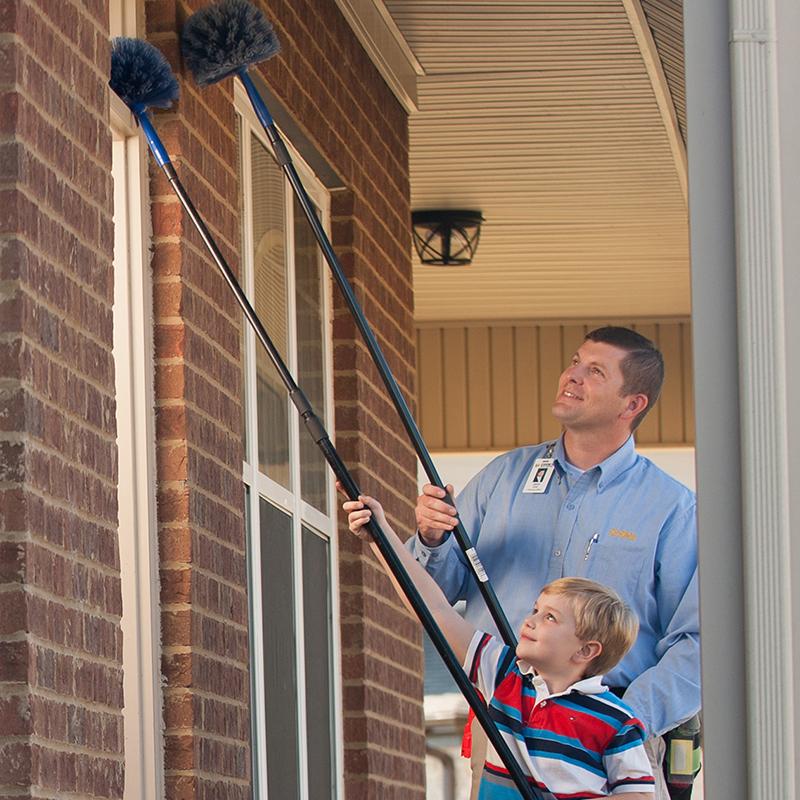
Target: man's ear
634,405
588,652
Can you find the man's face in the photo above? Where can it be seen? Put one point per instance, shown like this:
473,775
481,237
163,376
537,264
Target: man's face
589,393
547,639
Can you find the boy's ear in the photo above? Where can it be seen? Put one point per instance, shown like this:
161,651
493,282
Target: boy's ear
588,652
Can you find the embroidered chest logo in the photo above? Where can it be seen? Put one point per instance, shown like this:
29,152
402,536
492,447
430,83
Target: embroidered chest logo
629,535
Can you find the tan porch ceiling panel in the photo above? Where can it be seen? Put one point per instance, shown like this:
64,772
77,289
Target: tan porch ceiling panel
552,119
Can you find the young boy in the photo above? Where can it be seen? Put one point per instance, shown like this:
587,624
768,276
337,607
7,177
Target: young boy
569,733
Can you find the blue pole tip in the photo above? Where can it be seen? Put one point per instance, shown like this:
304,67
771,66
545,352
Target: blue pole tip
225,38
140,75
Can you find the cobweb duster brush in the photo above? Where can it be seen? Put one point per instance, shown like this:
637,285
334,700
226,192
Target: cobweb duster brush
226,38
143,79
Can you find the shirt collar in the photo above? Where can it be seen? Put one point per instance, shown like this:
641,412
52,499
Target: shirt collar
619,461
591,685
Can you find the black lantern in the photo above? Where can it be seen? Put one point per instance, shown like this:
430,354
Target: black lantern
447,236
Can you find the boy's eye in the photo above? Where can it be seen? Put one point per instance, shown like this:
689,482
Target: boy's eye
551,618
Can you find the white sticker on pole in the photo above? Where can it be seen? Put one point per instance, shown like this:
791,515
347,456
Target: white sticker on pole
476,565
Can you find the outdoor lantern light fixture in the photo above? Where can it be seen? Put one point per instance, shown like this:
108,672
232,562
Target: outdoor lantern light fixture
447,236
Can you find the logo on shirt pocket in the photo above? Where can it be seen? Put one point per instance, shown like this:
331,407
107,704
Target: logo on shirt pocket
620,534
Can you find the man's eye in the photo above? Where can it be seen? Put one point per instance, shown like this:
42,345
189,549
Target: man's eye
597,371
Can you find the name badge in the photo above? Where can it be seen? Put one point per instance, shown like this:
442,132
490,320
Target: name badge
539,478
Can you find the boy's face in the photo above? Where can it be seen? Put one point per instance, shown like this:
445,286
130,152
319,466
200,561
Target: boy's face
547,639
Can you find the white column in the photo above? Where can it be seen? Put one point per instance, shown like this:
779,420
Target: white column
716,378
763,360
787,24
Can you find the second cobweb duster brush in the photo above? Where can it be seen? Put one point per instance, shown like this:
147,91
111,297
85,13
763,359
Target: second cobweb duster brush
224,38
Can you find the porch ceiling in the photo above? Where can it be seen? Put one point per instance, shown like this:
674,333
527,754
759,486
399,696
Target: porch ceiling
561,121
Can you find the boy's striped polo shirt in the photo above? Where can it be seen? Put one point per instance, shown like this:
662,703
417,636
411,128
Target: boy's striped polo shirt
578,744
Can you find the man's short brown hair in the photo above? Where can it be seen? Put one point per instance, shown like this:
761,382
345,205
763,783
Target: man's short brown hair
600,615
642,368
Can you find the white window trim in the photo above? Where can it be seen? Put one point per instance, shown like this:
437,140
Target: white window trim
124,17
137,529
262,486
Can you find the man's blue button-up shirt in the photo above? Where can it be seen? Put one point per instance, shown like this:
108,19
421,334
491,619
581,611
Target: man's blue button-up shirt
624,523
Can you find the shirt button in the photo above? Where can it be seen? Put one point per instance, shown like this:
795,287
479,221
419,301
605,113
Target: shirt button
556,553
570,506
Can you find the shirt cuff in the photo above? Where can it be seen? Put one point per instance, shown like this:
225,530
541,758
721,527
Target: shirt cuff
428,556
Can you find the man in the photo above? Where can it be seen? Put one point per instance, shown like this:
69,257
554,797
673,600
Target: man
601,512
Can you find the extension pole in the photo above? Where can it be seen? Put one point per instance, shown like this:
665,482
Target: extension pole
319,434
285,161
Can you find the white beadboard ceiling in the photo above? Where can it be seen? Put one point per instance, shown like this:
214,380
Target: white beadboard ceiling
548,118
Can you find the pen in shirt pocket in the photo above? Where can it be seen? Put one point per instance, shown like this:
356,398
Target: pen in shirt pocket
589,544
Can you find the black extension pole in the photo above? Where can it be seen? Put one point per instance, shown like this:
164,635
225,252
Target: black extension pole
141,76
285,161
223,39
317,431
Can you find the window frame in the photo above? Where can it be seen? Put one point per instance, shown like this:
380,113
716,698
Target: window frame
258,485
143,712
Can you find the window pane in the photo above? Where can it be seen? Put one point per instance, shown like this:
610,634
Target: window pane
251,592
318,658
280,674
269,263
244,329
310,353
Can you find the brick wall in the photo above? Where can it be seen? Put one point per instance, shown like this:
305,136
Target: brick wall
334,93
198,447
60,602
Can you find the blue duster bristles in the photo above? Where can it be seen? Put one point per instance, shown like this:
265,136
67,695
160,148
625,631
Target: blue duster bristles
140,75
225,38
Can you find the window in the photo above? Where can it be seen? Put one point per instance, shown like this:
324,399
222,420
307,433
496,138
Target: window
289,489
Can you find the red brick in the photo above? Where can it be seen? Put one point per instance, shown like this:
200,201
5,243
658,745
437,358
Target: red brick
12,561
14,616
176,585
171,422
177,669
181,787
173,506
179,751
169,381
13,661
15,764
167,218
179,710
15,715
172,462
167,262
176,627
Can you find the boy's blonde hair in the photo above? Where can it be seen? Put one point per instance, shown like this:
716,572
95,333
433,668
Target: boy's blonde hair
600,615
